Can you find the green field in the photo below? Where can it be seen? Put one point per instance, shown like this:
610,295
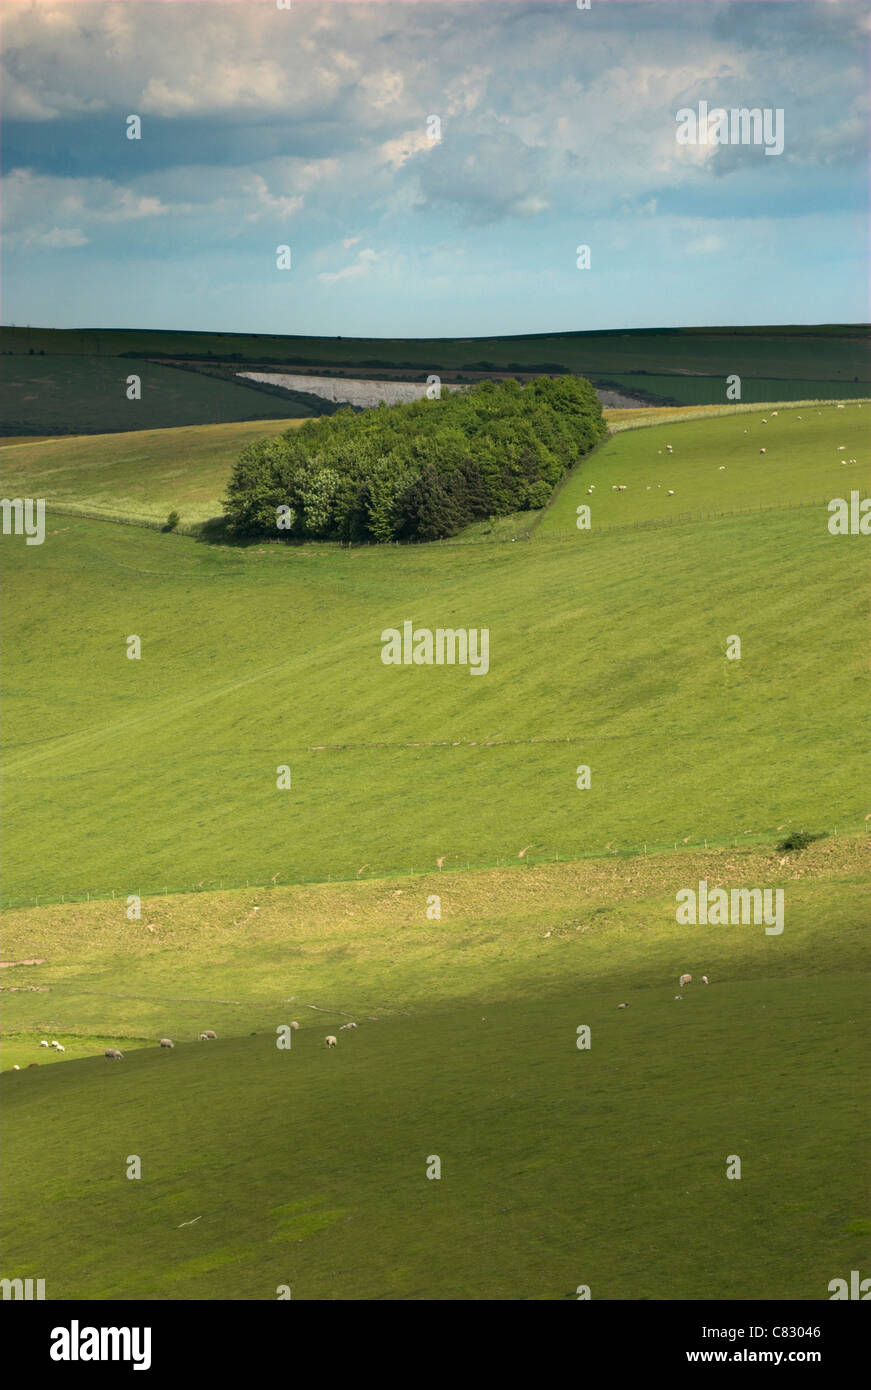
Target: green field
157,777
88,395
716,467
559,1166
689,365
702,390
134,477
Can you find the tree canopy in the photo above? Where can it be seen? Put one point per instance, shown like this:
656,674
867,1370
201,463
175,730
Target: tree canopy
416,472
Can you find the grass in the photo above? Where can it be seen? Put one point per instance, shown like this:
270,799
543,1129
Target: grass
140,476
307,1167
87,395
693,362
270,655
701,390
717,467
559,1166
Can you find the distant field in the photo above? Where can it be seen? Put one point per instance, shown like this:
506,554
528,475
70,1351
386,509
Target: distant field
689,364
137,476
716,466
701,390
87,395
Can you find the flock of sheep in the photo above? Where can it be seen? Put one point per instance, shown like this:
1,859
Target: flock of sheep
114,1054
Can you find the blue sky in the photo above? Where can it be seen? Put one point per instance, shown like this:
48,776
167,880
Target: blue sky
308,127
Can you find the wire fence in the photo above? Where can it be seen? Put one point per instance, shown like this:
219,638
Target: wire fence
747,839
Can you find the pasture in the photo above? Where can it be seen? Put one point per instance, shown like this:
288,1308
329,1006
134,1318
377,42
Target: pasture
605,1166
88,395
140,476
560,1167
687,364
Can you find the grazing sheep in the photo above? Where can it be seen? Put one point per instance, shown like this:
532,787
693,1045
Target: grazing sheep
43,1043
622,1006
352,1025
60,1049
294,1024
17,1067
330,1041
208,1035
113,1054
840,407
57,1045
671,492
678,996
685,980
704,979
762,451
774,412
167,1042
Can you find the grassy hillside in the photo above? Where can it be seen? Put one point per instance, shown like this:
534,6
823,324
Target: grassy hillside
833,358
716,466
138,476
606,1166
88,395
259,657
560,1166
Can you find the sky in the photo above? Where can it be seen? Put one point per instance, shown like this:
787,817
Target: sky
310,127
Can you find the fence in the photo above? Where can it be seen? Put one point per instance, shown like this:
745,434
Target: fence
746,840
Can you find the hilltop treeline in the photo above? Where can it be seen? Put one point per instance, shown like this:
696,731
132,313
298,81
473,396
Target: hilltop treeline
417,472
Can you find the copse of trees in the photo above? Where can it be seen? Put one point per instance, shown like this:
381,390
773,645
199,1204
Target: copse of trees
416,472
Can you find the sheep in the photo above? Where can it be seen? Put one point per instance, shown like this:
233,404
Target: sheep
762,451
705,980
56,1046
622,1006
671,492
60,1049
840,407
684,980
17,1067
113,1054
294,1024
208,1035
167,1042
330,1041
678,996
43,1043
352,1025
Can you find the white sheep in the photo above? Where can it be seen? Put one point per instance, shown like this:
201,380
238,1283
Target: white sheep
678,996
684,980
330,1041
43,1043
208,1035
762,451
59,1048
671,492
705,980
622,1006
294,1024
167,1042
113,1053
16,1067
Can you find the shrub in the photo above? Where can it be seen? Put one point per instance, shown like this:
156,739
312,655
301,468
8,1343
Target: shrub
798,840
172,521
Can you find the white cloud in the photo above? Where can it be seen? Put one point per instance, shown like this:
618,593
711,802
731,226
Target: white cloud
364,265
